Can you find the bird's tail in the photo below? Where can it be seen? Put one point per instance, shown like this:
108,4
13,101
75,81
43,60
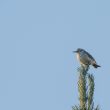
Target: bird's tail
95,65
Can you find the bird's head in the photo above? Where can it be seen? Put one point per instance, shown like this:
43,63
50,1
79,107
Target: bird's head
78,50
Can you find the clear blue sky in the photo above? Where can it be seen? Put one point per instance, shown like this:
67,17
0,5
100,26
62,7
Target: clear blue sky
38,70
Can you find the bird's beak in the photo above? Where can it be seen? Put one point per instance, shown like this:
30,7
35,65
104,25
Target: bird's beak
75,51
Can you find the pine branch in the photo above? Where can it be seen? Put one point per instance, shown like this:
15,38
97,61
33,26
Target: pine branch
82,88
85,94
90,92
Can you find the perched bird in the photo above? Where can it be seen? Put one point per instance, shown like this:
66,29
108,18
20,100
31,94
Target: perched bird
85,58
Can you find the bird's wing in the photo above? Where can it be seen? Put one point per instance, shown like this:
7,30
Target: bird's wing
90,56
84,58
92,59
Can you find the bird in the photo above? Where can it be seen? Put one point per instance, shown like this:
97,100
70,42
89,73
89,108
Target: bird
85,58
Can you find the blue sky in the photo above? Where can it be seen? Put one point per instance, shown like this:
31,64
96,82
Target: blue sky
38,69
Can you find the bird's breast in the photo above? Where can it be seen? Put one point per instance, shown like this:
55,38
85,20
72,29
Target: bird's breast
77,56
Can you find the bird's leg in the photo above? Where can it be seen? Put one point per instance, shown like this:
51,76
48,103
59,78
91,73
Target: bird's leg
85,67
